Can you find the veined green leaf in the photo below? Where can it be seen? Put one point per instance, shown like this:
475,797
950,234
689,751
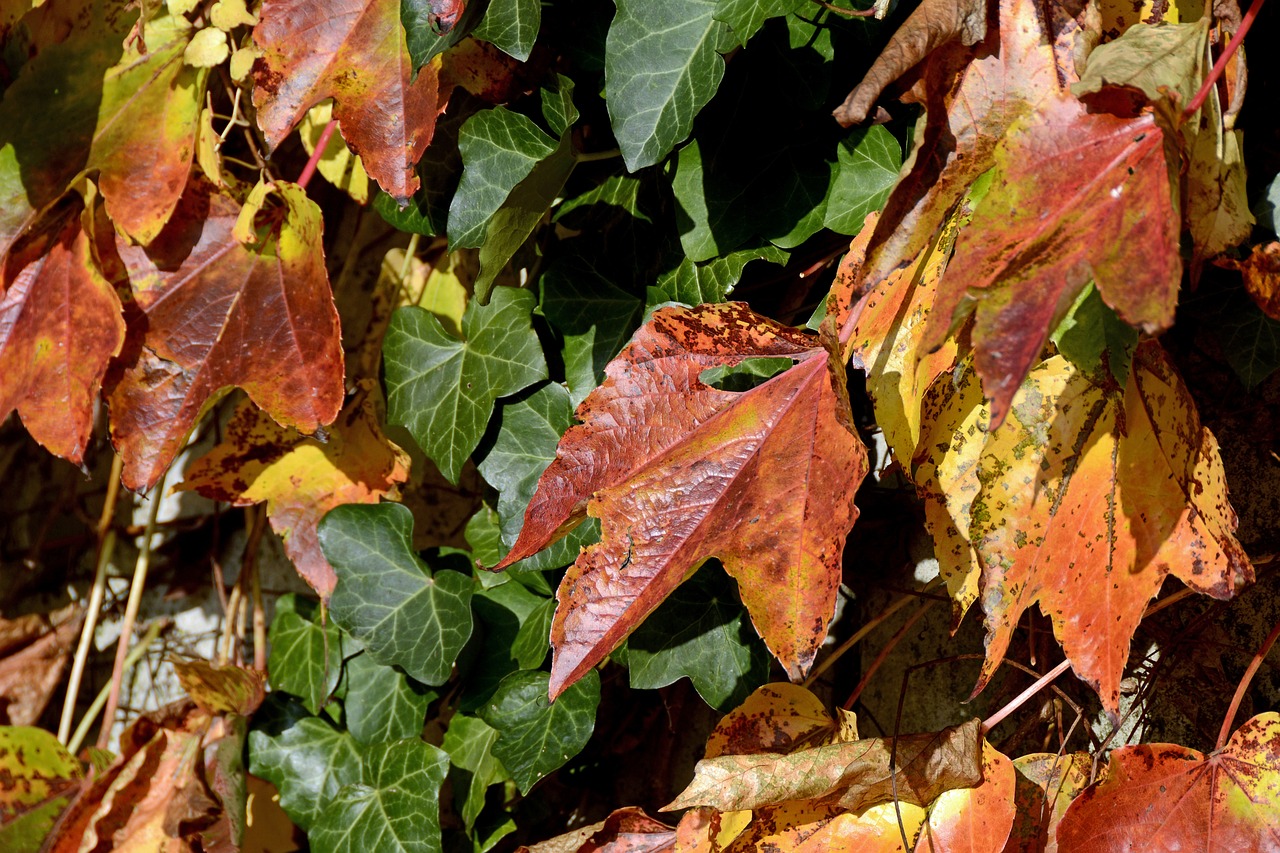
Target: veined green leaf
382,702
534,735
469,742
502,611
424,43
511,26
868,168
306,658
746,17
714,280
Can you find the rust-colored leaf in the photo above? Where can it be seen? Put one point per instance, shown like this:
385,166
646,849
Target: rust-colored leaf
679,472
34,661
353,51
626,830
211,312
1075,197
778,718
973,820
1046,785
1167,797
1261,273
850,776
60,324
301,478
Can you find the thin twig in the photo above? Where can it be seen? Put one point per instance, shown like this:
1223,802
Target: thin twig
1258,657
1218,67
135,654
304,177
257,523
848,13
857,637
131,613
995,719
86,635
884,653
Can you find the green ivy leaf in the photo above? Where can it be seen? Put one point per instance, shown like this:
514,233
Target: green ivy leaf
868,168
595,317
536,736
714,280
438,171
382,702
616,191
307,759
443,389
499,149
746,17
388,598
511,26
469,742
711,223
422,40
1092,330
395,807
1250,339
502,611
661,68
700,632
533,641
305,659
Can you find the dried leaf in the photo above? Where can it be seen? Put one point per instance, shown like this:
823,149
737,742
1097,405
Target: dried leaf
627,830
1261,273
37,778
1167,797
225,689
778,718
301,478
31,673
678,472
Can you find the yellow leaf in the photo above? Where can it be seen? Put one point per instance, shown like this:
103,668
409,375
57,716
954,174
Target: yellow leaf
338,164
208,48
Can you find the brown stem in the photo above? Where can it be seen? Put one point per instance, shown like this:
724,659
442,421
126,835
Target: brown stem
884,653
1258,657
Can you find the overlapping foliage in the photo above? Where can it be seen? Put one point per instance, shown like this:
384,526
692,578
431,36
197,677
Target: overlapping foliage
588,187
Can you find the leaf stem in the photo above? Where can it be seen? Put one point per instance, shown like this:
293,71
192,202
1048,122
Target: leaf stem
304,177
153,631
257,521
884,653
1218,67
998,717
848,13
1258,657
593,156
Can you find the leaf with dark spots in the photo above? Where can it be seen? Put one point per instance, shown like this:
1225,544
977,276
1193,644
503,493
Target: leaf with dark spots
627,830
353,51
210,312
1162,796
679,472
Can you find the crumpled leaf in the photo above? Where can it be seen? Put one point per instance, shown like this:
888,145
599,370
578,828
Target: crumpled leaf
627,830
301,478
1046,785
37,779
1261,274
353,51
851,776
34,651
1166,797
217,312
60,325
931,25
678,472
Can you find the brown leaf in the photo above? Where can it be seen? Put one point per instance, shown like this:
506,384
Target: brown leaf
226,689
778,718
627,830
301,478
1261,273
931,25
851,776
30,674
211,312
353,51
1166,797
60,324
679,472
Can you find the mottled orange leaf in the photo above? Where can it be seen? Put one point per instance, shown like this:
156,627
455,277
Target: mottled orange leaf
1076,197
973,820
1167,797
808,827
1046,785
778,718
1091,494
60,324
301,478
679,472
354,52
626,830
210,312
1261,273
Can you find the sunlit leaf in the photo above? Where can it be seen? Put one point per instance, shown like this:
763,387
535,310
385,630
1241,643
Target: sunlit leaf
382,703
536,736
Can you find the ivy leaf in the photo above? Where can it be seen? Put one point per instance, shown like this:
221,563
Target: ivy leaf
502,611
60,325
443,389
307,760
220,312
382,703
309,53
301,478
469,742
395,806
639,463
746,17
1164,796
713,281
661,68
869,161
306,658
499,149
1250,339
536,736
700,633
405,614
511,26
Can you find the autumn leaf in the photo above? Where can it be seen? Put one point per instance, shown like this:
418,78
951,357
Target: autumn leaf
679,472
626,830
60,325
210,312
35,649
38,777
1089,496
778,718
301,478
221,689
1166,797
1045,786
977,819
353,51
1261,274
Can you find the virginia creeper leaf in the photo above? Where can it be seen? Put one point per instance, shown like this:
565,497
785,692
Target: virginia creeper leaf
678,472
536,736
307,760
301,478
851,775
382,703
394,807
1164,796
974,819
438,172
806,826
353,51
661,68
699,632
306,657
778,718
443,389
1045,786
469,742
405,614
219,312
221,689
511,25
37,779
60,325
1151,59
